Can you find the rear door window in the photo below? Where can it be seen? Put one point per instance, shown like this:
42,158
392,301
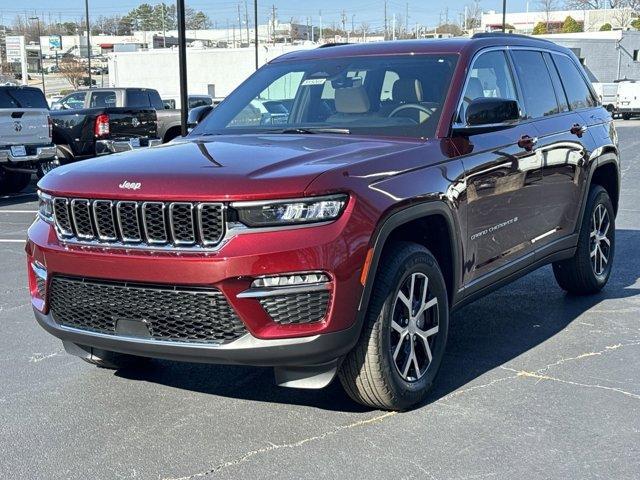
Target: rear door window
537,87
578,93
561,96
138,99
74,101
22,98
102,99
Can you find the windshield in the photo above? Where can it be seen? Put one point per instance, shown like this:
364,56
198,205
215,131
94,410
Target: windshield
375,95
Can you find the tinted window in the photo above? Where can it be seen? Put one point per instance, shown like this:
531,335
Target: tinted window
199,102
22,98
490,76
156,101
557,84
575,86
103,99
74,101
138,98
537,88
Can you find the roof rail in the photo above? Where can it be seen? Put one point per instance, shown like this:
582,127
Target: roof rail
334,44
508,35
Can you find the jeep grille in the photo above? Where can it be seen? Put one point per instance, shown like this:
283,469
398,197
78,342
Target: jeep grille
131,224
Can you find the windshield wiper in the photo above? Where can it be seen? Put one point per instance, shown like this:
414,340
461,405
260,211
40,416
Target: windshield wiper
306,130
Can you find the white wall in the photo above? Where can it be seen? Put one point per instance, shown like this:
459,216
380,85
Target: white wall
225,68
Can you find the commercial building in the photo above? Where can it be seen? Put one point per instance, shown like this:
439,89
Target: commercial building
607,56
589,20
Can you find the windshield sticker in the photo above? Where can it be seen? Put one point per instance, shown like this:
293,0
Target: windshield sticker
313,81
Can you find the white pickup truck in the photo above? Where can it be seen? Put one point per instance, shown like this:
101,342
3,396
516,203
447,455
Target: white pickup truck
25,137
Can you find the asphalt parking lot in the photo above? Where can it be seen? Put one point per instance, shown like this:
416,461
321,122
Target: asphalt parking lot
535,385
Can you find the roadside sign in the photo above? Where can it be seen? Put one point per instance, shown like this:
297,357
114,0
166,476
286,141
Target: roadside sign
55,42
15,48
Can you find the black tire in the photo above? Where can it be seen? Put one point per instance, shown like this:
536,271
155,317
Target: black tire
113,360
13,182
626,116
369,373
580,274
63,152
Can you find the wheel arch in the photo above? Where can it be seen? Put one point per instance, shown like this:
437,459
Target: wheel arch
400,226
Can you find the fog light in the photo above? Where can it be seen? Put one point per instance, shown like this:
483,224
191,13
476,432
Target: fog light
41,279
298,279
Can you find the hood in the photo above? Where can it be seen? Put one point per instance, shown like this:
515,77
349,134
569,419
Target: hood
218,168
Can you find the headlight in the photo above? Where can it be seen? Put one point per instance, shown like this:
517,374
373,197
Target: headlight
290,212
45,207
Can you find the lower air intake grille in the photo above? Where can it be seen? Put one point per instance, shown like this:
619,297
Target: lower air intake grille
169,313
297,308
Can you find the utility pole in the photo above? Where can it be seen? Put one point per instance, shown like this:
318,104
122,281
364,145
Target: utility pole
386,27
255,26
273,23
344,22
320,14
393,28
406,20
182,65
239,24
246,21
86,11
164,30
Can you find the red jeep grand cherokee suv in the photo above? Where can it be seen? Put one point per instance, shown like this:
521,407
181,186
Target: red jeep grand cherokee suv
329,215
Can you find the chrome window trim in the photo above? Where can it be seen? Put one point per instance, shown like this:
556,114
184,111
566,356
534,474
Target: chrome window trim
506,48
102,237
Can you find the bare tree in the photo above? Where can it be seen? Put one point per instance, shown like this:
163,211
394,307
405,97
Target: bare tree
474,15
364,30
547,6
72,70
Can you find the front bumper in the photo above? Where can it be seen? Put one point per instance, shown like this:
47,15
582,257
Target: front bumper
247,350
104,147
338,249
47,152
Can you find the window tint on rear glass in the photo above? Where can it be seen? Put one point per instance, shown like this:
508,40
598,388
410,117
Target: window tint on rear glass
103,99
137,98
22,98
577,90
537,88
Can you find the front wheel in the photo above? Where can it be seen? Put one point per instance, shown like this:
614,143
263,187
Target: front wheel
589,269
398,355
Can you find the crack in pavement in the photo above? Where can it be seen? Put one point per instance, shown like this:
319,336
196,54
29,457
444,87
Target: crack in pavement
273,446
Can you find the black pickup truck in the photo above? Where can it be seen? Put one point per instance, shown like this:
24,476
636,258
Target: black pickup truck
102,121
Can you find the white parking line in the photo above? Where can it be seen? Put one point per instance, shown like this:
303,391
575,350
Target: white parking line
18,211
11,240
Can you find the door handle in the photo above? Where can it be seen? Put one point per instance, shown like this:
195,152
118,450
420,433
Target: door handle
578,129
526,142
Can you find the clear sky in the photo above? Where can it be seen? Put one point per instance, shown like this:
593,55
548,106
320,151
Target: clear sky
426,12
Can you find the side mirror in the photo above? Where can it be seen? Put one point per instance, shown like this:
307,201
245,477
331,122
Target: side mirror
486,114
196,115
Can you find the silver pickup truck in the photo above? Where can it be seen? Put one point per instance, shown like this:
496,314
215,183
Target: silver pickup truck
25,137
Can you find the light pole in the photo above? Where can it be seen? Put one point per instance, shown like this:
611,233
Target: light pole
86,11
182,66
44,91
504,15
255,27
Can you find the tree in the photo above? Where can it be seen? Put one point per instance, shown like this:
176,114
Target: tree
571,26
547,6
540,29
606,27
636,24
72,70
474,15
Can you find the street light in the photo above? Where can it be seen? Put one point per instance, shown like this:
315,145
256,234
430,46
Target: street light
504,15
44,91
86,11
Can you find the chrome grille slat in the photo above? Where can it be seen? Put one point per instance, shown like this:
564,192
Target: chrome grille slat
103,218
81,215
154,225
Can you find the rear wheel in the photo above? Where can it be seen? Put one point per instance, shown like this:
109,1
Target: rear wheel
589,269
396,360
13,182
626,116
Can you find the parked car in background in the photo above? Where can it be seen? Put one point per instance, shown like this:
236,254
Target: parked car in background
628,99
607,95
102,121
25,137
194,101
335,239
54,101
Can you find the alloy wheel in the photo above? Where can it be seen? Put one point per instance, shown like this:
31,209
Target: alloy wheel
414,327
600,241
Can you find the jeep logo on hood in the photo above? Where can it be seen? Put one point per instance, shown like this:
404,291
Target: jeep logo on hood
127,185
